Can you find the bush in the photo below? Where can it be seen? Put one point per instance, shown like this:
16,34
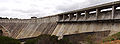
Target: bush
43,39
113,37
64,41
8,40
47,39
31,41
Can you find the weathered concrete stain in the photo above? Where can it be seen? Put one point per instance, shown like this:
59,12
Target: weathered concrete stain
25,30
72,22
88,37
74,28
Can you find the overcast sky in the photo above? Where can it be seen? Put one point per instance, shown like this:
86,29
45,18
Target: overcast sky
26,8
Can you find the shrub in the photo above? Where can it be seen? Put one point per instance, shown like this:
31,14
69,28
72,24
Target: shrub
43,39
64,41
31,41
89,39
113,37
47,39
8,40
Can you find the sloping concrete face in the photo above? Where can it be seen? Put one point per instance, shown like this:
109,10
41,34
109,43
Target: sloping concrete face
26,30
88,37
74,28
4,32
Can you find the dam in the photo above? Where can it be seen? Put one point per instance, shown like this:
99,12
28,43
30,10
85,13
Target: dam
91,19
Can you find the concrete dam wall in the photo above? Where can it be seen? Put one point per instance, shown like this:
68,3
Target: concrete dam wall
26,30
89,19
74,28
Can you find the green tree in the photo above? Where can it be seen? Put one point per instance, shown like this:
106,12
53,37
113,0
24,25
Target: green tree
47,39
8,40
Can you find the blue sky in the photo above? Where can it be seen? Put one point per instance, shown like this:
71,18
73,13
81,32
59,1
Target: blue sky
26,8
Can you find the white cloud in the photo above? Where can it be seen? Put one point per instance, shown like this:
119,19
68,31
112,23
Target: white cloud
40,8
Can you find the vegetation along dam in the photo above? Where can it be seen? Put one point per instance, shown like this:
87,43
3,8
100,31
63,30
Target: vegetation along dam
92,19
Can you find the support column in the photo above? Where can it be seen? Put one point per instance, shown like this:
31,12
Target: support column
71,16
77,16
64,17
60,17
86,14
113,11
97,13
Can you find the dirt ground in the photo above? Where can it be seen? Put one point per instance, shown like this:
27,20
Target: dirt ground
113,42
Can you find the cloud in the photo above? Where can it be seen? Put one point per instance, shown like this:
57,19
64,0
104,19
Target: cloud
85,4
3,9
40,8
